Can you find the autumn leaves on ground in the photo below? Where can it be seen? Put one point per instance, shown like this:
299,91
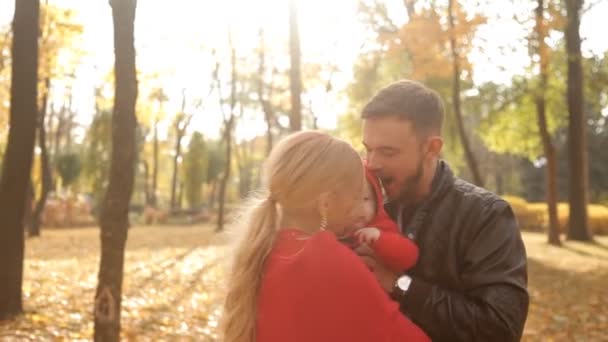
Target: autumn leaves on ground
173,287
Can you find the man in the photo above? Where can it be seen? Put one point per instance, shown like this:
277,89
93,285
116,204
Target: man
470,280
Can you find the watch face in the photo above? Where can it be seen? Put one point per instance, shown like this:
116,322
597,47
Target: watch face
404,282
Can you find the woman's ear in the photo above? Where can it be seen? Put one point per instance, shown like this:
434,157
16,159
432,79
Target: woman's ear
323,203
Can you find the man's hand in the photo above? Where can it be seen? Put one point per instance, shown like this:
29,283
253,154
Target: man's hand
384,275
367,255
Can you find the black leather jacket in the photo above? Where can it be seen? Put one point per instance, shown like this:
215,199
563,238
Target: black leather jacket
471,277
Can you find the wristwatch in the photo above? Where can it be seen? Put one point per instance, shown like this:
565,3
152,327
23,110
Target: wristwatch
401,286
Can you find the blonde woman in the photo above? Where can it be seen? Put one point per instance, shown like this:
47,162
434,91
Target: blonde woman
291,279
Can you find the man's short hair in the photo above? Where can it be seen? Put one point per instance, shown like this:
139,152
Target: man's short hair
411,101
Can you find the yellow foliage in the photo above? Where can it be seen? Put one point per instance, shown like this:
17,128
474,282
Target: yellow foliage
534,216
426,39
59,52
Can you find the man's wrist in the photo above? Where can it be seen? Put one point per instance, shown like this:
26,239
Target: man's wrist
389,286
401,286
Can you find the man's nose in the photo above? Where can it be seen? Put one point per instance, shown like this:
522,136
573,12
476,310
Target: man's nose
373,162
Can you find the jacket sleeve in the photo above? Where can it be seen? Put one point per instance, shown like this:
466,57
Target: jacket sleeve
493,303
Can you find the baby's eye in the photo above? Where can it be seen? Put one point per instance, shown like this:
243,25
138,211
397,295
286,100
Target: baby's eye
366,198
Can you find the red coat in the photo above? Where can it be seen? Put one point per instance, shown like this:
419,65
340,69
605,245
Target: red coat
393,249
315,289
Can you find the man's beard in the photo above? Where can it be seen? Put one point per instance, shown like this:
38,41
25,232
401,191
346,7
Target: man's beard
409,188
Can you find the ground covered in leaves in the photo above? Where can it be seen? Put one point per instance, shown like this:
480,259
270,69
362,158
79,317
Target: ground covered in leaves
173,287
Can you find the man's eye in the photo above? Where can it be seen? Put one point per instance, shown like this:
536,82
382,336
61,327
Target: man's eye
389,153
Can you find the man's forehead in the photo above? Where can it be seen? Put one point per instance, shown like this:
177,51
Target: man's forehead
388,132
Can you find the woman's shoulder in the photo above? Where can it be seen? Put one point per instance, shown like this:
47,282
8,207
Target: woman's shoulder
332,255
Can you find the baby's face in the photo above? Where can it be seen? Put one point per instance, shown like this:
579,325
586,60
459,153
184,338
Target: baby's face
367,208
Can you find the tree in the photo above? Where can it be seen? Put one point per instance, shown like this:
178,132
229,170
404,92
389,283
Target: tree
419,50
69,167
181,123
215,166
542,51
227,135
295,77
265,102
115,207
45,167
577,140
18,156
96,158
160,96
471,160
195,169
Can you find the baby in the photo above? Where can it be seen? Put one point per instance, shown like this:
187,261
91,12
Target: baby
375,228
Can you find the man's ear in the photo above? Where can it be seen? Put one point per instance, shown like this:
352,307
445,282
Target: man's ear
435,144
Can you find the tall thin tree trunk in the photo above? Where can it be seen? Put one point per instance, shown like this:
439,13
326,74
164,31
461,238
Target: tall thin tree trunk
547,141
154,194
18,157
295,75
115,206
180,195
70,122
470,157
228,140
213,194
59,129
577,137
146,182
181,125
175,170
266,105
45,167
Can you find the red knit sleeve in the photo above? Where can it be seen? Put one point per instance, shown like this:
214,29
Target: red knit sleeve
355,307
396,251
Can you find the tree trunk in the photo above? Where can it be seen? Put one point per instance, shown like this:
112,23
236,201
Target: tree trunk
18,156
295,76
470,157
547,141
59,129
175,170
225,176
550,172
153,197
212,194
577,140
146,182
180,195
115,206
70,122
409,6
45,167
265,102
228,139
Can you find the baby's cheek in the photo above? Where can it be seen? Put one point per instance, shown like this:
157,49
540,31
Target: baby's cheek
370,211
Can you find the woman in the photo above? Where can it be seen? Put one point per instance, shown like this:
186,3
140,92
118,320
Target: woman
291,279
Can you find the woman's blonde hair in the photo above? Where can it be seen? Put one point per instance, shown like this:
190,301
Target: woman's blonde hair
299,169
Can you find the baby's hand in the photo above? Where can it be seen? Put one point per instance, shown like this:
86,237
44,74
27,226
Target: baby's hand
368,235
